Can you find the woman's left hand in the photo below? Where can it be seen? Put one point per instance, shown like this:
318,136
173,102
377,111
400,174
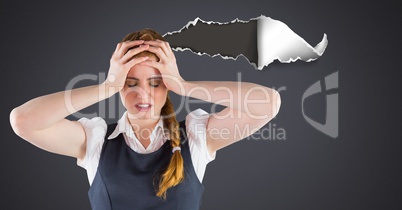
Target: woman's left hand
167,64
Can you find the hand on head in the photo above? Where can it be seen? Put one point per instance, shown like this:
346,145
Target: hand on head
123,60
167,62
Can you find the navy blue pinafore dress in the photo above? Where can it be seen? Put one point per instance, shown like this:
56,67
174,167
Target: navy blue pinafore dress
128,180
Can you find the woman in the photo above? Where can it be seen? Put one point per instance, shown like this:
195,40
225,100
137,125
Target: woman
147,160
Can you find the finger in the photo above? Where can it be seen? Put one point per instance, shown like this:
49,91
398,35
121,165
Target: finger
132,52
158,43
155,42
169,49
159,52
126,45
166,48
152,63
136,61
117,49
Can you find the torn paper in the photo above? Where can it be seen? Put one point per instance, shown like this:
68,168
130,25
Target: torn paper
260,40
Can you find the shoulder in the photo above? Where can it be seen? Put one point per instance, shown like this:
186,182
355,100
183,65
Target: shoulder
198,117
95,128
95,123
196,124
95,132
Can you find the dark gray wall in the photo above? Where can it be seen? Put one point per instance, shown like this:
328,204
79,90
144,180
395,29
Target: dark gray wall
44,44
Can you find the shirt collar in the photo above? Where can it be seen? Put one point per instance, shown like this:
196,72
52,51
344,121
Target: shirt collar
124,126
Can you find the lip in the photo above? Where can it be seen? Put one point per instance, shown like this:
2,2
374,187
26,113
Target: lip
142,109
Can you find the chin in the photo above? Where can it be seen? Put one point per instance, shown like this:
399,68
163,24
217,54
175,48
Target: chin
139,115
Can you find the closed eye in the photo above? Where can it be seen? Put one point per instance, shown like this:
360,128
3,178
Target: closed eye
155,83
151,84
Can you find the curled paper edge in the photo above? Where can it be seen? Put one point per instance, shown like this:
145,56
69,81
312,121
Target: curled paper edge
276,37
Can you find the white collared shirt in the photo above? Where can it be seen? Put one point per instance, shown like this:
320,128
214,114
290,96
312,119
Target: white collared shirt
95,130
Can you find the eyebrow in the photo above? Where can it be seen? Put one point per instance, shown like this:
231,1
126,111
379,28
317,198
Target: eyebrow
134,78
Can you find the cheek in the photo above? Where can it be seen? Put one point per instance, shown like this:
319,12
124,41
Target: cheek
160,96
127,97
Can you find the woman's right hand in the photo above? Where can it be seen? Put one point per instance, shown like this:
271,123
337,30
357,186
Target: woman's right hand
121,62
42,120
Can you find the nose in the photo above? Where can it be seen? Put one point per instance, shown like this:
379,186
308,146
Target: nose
143,92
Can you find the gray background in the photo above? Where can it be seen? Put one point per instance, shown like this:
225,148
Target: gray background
45,44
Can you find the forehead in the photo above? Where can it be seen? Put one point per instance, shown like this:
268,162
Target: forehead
143,72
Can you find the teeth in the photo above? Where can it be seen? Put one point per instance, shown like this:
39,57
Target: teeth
143,105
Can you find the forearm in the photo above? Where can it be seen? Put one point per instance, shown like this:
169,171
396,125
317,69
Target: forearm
44,111
247,97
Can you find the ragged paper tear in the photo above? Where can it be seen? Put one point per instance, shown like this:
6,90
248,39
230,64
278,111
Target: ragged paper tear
260,40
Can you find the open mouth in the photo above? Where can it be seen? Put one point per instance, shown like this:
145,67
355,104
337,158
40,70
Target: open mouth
143,107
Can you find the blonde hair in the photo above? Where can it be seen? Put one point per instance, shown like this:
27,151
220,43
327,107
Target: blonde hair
174,172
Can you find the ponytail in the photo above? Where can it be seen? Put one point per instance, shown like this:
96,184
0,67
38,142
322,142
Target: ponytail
174,173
